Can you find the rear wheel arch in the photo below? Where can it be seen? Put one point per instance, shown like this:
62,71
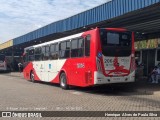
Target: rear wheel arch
63,71
63,80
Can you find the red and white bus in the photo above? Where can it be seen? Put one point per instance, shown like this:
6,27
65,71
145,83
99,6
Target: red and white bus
3,65
98,56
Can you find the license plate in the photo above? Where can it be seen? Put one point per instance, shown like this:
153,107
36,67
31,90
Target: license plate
116,78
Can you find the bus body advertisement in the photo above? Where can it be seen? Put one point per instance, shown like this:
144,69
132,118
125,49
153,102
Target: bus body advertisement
98,56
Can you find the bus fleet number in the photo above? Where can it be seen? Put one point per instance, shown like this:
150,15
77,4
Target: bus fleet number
80,65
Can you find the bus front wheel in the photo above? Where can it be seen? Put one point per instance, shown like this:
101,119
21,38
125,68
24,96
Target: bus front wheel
63,81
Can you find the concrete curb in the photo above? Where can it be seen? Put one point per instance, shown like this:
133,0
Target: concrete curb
147,92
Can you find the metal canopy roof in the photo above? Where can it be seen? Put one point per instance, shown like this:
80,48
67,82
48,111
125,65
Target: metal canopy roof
145,20
103,12
135,15
146,27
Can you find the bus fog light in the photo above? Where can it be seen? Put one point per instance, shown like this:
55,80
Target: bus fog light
126,79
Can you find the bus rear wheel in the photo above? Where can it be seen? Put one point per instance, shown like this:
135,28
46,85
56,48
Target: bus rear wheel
63,81
32,77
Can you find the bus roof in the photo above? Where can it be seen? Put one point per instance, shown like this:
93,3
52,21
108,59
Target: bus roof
54,41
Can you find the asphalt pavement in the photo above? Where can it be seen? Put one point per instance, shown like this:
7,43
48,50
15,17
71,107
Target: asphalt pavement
18,94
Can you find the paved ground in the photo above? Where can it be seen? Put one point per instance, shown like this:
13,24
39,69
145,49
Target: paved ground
18,94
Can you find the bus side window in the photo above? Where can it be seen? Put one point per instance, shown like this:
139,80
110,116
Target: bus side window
74,48
31,55
80,47
54,51
57,50
52,47
47,51
87,45
64,49
43,52
38,56
77,49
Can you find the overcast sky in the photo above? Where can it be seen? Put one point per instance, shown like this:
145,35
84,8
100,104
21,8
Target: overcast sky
18,17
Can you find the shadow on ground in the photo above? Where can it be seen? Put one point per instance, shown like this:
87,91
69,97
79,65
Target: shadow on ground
127,89
140,87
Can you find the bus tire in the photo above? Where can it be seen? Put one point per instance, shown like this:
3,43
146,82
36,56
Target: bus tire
32,77
63,81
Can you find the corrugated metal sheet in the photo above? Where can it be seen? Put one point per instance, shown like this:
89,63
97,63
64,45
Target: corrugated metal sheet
6,44
103,12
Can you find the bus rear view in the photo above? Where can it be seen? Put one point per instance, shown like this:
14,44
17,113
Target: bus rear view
115,57
94,57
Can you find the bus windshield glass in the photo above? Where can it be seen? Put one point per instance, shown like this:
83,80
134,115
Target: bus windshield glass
2,58
116,43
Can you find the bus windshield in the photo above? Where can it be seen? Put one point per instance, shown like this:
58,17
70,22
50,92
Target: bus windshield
115,43
2,58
